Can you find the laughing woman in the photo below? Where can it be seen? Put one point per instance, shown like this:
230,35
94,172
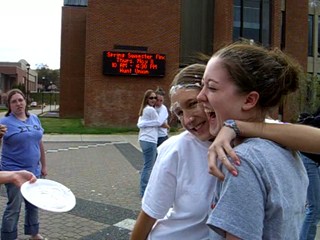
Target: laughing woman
180,190
267,198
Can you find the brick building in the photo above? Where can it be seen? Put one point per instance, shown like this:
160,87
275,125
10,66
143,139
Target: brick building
176,29
15,74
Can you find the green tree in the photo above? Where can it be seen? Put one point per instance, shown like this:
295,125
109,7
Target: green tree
47,76
309,93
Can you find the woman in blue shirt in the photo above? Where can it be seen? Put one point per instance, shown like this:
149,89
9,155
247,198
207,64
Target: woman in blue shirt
22,149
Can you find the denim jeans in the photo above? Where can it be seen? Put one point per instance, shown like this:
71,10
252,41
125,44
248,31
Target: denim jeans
161,140
10,218
312,217
149,151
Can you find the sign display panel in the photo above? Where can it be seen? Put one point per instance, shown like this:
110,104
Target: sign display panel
134,64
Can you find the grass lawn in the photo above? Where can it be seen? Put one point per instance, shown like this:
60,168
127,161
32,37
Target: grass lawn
75,126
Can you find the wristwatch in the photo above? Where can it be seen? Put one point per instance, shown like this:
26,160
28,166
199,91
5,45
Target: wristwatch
233,125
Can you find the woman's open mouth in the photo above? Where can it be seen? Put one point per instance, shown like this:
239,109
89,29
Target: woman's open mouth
210,114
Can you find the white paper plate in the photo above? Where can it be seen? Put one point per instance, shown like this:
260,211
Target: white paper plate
49,195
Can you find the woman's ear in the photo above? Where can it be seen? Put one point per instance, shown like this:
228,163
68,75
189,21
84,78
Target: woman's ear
251,100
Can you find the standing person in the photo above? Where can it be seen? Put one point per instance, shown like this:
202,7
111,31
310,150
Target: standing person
148,136
180,190
178,196
163,115
266,200
311,163
22,149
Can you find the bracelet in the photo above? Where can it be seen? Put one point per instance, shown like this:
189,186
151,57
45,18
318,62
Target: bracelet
233,125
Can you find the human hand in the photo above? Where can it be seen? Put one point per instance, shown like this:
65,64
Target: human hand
165,125
44,172
220,149
20,177
3,130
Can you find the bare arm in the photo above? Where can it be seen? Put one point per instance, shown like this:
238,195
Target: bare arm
229,236
294,136
3,130
142,227
43,161
16,177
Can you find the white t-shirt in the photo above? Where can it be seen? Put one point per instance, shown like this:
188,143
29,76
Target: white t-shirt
180,190
163,116
150,133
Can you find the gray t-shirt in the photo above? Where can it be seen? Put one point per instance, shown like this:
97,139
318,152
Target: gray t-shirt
267,198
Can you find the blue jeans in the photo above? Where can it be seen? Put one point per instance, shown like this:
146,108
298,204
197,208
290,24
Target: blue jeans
312,217
10,218
149,151
161,140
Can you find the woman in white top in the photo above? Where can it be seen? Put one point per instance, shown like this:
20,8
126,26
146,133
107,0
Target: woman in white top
148,136
179,192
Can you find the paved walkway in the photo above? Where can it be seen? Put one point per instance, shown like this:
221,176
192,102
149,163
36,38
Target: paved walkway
103,173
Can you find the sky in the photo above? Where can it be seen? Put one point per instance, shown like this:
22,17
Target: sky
31,30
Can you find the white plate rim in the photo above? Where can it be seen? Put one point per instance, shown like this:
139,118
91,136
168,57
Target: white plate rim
25,191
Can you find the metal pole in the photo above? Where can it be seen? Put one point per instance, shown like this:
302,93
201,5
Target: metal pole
50,95
50,100
27,83
42,102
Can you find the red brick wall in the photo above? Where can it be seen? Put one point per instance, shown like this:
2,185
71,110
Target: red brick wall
296,45
73,38
115,100
223,23
275,24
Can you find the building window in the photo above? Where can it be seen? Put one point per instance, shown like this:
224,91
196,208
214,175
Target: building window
196,30
318,36
252,20
82,3
310,35
283,30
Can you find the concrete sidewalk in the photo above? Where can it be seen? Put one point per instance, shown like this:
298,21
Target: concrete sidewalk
119,138
103,173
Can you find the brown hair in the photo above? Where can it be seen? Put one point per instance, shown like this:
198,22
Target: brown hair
145,100
271,73
9,96
160,91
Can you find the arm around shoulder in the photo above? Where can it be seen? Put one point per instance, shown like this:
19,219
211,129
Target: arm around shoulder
294,136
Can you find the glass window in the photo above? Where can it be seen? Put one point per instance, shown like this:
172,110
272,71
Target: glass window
252,20
237,20
283,29
310,35
265,23
196,30
318,36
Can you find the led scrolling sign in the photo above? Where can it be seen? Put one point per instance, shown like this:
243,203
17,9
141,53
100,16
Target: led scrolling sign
134,64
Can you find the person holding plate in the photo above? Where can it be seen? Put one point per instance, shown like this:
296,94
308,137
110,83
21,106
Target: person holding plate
22,149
